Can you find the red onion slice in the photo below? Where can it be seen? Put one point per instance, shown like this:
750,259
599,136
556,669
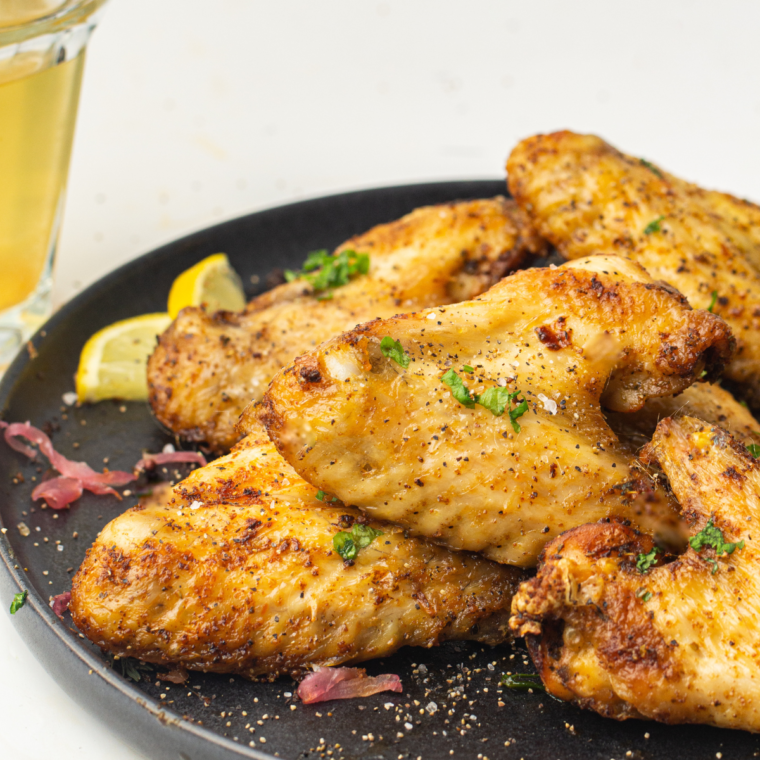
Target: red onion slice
344,683
60,603
58,492
170,457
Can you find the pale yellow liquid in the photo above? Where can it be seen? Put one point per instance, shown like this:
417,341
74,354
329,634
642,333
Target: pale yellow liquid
37,116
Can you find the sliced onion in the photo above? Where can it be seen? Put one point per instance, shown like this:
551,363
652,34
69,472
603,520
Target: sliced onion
58,492
60,603
344,683
149,461
97,482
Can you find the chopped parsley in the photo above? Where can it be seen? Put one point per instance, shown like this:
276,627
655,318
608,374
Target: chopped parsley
322,496
325,271
713,301
652,168
19,600
347,544
645,561
497,399
392,349
458,389
653,226
467,368
754,449
129,667
712,537
522,681
644,594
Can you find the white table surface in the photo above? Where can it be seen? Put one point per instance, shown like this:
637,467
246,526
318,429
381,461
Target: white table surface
194,112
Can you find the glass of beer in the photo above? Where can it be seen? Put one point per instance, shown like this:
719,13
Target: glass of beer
42,49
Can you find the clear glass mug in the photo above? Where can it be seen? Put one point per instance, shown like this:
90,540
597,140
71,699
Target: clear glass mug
42,49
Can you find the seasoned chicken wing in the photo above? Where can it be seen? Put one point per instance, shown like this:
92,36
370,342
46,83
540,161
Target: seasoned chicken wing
207,367
611,630
237,572
709,403
479,425
586,197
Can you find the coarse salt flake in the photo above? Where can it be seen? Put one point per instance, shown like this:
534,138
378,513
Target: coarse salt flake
549,404
69,398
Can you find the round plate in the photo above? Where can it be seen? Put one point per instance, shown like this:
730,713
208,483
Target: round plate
452,705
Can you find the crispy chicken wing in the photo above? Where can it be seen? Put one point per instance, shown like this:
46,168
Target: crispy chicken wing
678,642
709,403
397,443
586,197
237,573
207,367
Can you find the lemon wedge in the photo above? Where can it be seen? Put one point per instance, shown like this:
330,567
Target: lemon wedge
113,361
211,283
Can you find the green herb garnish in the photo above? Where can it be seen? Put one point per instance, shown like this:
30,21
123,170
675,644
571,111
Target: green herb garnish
644,594
325,271
129,667
754,449
467,368
653,226
393,349
522,681
497,400
19,600
713,301
458,389
713,537
645,561
322,496
347,544
652,168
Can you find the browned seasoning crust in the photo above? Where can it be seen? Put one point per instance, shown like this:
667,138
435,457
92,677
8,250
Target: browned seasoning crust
236,573
208,367
397,444
677,643
586,197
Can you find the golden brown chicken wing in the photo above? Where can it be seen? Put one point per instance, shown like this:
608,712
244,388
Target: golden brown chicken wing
238,573
612,629
709,403
479,425
587,197
208,367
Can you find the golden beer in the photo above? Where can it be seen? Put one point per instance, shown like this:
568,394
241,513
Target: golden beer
42,50
37,116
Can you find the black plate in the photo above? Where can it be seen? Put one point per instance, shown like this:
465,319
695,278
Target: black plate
210,723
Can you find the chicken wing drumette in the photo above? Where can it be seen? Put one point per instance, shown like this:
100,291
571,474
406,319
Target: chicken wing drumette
237,572
586,197
543,350
208,367
611,630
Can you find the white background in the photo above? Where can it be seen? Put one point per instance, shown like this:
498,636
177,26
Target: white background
193,112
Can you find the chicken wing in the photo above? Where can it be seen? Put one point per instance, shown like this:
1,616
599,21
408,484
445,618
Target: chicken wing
207,367
586,197
709,403
412,446
237,573
677,642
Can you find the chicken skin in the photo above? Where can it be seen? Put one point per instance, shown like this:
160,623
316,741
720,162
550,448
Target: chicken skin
404,439
709,403
676,642
586,197
237,572
208,367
